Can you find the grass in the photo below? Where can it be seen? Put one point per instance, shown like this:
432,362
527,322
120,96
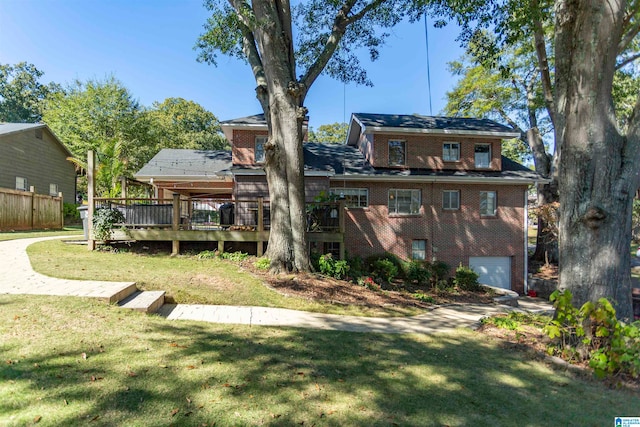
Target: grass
72,361
185,278
66,231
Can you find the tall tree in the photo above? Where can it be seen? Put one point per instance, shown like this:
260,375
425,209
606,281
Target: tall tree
597,158
22,93
178,123
285,63
333,133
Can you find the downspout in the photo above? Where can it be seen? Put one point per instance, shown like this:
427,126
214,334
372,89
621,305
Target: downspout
526,241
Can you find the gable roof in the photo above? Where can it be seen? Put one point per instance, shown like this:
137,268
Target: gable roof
11,128
255,122
181,164
414,123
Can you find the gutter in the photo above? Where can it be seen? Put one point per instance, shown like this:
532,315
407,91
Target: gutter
438,179
471,133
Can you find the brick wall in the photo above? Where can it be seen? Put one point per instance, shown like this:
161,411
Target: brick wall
425,151
243,146
452,236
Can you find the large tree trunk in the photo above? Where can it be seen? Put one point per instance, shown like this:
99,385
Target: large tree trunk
596,189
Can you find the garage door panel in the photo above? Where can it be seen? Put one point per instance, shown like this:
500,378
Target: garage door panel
494,271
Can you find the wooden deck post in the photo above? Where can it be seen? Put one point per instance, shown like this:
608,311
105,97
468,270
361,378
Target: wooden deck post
341,219
175,249
61,210
260,226
91,189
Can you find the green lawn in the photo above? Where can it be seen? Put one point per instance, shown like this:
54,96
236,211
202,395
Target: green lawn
66,231
72,361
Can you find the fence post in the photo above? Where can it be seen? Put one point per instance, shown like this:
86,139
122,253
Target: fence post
91,188
175,250
32,190
61,210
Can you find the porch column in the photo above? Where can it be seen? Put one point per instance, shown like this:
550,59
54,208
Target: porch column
91,189
260,226
175,250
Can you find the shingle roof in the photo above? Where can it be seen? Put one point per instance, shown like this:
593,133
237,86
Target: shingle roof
256,119
416,121
7,128
174,162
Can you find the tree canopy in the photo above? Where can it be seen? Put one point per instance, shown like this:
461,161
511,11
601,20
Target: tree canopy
334,133
22,93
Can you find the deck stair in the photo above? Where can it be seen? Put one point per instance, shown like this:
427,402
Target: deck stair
144,301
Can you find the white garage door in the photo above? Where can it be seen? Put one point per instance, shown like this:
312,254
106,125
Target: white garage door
493,270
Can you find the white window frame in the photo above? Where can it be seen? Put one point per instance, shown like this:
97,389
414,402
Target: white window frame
359,195
402,143
446,200
414,195
23,181
447,151
259,141
488,203
53,189
419,253
479,164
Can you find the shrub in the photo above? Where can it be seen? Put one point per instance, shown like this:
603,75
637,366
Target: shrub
368,283
384,269
234,256
104,220
332,267
262,263
356,267
466,279
439,272
71,213
206,255
424,298
593,332
418,272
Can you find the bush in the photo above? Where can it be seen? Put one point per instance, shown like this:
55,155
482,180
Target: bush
234,256
384,269
70,213
206,255
368,283
356,267
262,263
466,279
332,267
104,220
418,272
373,265
593,332
439,272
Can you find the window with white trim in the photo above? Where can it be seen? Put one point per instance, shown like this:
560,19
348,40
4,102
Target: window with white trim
451,200
419,250
488,203
451,151
21,183
53,189
482,155
397,152
404,202
259,149
353,197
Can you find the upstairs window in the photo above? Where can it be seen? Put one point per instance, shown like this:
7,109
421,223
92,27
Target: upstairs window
482,155
397,152
451,151
353,197
259,151
451,200
21,183
404,202
488,203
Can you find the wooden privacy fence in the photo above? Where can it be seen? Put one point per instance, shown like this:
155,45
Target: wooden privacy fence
26,210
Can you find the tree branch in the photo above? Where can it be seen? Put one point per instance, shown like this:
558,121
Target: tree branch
627,61
543,62
249,46
341,22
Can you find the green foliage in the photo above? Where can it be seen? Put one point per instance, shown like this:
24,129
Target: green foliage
332,267
356,266
368,283
424,298
593,332
103,221
384,269
418,272
70,212
466,279
22,94
234,256
334,133
439,273
262,263
635,221
207,255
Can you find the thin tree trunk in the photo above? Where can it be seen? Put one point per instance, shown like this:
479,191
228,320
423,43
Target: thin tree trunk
595,189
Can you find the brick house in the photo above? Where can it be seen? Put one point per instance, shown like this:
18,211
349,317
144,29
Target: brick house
431,188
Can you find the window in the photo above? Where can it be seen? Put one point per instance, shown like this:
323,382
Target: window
482,155
451,199
488,203
21,183
451,152
259,152
397,152
419,250
353,197
404,202
53,189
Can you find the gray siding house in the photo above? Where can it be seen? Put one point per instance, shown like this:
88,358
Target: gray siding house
32,156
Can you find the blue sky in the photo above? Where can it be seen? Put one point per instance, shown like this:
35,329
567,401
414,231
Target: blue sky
148,46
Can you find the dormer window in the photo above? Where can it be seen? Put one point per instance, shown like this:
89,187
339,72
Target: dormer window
259,150
397,152
451,151
482,155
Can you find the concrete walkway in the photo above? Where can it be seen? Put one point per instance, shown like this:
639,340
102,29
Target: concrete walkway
17,277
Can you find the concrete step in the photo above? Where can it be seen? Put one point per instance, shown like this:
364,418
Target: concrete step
127,290
144,301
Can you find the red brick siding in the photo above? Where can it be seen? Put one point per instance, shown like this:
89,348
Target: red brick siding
253,186
243,146
452,236
426,151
